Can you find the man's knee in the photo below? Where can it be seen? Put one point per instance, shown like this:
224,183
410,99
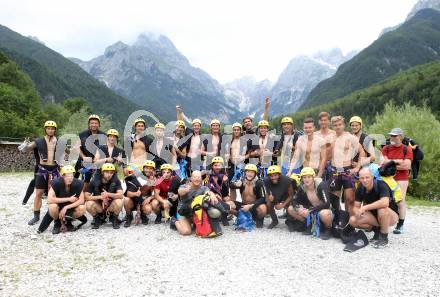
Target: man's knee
91,207
353,221
146,209
53,210
116,206
128,203
261,210
79,211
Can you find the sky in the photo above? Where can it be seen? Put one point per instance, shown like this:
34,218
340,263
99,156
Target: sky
228,39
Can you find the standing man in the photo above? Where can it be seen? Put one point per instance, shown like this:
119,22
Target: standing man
139,144
310,150
286,146
88,138
248,123
402,155
344,148
366,142
47,168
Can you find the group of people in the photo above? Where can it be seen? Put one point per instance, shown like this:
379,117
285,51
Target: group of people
314,176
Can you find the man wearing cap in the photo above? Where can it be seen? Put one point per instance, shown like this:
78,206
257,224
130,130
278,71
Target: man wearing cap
266,147
312,201
238,151
402,155
279,192
66,200
89,139
373,209
253,194
192,147
366,141
45,147
104,196
310,150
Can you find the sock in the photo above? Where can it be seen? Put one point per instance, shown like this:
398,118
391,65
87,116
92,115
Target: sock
400,223
36,213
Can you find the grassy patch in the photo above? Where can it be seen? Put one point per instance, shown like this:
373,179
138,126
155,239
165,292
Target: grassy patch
412,201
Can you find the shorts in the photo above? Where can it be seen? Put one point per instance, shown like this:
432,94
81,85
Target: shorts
339,180
42,182
375,213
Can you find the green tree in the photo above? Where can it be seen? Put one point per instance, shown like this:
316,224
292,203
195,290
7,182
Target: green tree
77,122
420,124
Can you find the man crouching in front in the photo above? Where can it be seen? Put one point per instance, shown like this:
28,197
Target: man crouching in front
104,196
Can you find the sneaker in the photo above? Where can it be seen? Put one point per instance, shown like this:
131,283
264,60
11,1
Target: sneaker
398,230
70,227
381,243
375,237
35,219
173,221
56,227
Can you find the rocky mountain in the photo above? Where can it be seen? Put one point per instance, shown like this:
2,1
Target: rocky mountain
155,75
421,4
56,78
248,94
415,42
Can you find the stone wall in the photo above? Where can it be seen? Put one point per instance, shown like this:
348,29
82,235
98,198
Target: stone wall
13,160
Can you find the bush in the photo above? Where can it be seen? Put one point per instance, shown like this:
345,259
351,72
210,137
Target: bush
420,124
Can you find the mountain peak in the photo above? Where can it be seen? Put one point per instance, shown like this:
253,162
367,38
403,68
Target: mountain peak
423,4
116,47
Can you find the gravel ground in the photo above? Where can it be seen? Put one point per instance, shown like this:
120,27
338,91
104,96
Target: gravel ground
154,261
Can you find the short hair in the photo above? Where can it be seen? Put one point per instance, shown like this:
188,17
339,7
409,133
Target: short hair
309,120
337,118
247,118
323,114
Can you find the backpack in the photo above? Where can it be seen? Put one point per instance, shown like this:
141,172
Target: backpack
244,221
395,191
200,217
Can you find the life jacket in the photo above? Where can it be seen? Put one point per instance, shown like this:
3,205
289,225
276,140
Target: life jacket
200,217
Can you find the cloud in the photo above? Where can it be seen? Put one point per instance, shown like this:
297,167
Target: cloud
228,39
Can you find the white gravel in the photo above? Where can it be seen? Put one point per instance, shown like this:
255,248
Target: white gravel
154,261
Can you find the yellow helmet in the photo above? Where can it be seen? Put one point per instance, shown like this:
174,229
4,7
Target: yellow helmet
166,167
139,120
94,117
149,163
113,132
287,120
215,121
263,123
308,171
356,119
273,169
217,160
67,169
296,178
180,123
159,126
237,125
251,167
108,167
197,121
50,124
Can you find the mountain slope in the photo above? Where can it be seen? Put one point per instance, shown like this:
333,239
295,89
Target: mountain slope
414,43
417,85
155,75
58,78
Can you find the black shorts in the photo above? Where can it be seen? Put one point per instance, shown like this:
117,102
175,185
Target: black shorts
375,213
340,180
41,182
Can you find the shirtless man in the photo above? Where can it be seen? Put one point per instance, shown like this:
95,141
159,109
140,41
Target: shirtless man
286,146
48,168
239,150
162,148
326,133
266,147
367,143
211,146
344,148
253,194
139,144
310,150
